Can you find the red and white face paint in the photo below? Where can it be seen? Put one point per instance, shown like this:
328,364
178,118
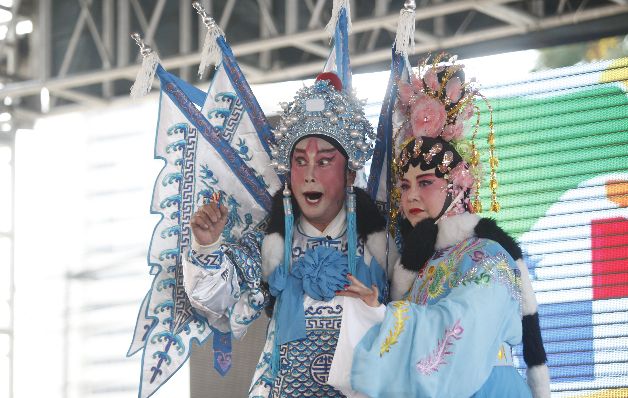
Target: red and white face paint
317,179
422,194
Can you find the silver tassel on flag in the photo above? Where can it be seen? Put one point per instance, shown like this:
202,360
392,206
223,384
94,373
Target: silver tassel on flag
404,40
144,79
335,15
211,53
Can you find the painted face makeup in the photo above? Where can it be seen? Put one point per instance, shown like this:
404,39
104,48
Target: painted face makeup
422,194
317,178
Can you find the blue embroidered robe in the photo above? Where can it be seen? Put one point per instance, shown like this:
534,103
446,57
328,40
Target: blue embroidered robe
453,334
223,283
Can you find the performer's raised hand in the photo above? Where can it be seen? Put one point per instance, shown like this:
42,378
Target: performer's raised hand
358,290
208,223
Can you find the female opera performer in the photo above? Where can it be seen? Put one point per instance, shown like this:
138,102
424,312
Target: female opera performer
458,286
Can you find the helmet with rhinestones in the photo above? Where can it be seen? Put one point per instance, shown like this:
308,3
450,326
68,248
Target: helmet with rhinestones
324,109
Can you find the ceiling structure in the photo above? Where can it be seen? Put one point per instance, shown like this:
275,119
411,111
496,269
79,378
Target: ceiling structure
78,53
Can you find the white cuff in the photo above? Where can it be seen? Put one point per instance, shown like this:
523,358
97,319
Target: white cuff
211,292
205,249
357,319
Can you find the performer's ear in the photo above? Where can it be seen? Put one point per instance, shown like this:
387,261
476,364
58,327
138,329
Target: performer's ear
350,178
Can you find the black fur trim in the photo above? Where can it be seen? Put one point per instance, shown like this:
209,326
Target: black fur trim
368,217
487,228
276,216
533,350
418,243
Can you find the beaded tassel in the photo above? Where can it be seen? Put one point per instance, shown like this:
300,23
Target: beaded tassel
288,225
351,230
493,163
475,162
287,256
404,39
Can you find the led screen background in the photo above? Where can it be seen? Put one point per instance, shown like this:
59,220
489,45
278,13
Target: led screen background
562,140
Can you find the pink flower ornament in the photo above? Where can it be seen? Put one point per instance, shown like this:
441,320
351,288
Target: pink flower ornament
431,79
453,89
468,111
417,83
428,117
406,91
461,176
454,130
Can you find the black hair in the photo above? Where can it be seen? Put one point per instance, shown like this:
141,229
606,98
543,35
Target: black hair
428,143
368,217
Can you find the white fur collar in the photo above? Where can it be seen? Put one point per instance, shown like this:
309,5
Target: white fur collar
272,253
454,229
401,281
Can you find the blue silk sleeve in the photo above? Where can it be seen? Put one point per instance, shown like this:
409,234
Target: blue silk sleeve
444,349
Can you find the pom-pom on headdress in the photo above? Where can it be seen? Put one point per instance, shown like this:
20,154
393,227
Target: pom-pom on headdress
436,104
324,109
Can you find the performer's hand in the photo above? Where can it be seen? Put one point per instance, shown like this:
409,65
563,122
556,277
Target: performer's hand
358,290
208,222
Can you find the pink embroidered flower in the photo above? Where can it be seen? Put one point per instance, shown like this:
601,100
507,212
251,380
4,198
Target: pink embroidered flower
428,117
431,79
461,176
453,131
453,89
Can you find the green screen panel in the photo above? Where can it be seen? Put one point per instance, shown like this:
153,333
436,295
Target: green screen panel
562,144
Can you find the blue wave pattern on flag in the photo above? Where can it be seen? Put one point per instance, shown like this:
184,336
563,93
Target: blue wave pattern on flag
243,91
202,157
245,134
166,324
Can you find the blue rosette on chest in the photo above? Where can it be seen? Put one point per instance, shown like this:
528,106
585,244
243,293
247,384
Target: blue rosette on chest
323,271
320,273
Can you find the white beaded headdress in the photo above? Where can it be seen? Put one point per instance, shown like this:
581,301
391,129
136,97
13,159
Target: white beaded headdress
324,109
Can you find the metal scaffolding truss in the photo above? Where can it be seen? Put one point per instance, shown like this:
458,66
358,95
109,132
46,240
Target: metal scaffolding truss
80,53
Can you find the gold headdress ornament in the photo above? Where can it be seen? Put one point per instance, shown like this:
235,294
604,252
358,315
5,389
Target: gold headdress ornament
434,105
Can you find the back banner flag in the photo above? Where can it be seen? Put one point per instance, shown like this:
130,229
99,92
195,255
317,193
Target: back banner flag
213,145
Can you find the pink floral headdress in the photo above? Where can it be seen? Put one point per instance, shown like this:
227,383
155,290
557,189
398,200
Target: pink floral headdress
437,103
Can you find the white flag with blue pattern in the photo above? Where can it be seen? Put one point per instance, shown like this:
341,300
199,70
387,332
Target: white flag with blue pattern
215,143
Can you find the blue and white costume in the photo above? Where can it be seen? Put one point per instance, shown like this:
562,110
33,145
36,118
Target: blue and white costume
451,334
227,292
